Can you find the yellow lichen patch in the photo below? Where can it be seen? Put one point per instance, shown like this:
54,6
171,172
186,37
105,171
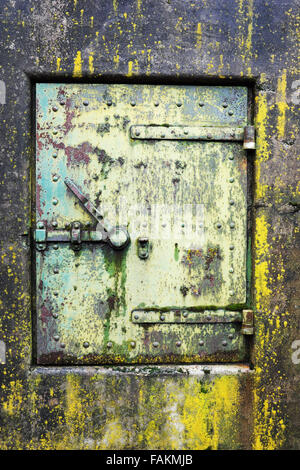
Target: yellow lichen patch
268,422
77,71
281,104
209,415
199,36
262,153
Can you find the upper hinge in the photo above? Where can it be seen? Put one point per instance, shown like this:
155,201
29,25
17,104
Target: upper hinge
210,133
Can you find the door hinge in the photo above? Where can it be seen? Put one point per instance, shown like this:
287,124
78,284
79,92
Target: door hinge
248,322
211,133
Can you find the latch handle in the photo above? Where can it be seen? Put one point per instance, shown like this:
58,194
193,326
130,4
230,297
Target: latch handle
117,237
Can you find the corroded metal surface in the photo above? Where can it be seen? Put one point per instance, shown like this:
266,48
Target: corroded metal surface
187,197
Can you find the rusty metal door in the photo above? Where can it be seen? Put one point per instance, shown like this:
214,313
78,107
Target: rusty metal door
141,223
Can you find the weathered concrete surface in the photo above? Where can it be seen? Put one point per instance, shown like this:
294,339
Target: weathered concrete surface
238,41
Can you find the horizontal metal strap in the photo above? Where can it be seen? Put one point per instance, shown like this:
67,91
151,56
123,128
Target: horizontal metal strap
185,316
187,133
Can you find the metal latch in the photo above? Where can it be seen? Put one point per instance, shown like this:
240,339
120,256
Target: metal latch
248,322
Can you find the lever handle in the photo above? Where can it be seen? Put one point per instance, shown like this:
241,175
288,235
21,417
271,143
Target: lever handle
117,237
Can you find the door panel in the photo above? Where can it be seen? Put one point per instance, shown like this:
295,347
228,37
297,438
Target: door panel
167,164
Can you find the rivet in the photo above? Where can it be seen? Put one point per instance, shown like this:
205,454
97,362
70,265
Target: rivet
162,317
62,102
231,180
219,225
185,314
224,343
231,270
231,157
156,103
40,225
186,132
231,247
55,247
201,343
132,344
54,202
137,133
109,103
40,246
162,136
224,105
178,343
76,265
230,336
109,345
55,131
136,316
155,344
209,136
133,103
230,113
56,294
62,345
54,108
231,293
208,318
231,202
76,225
55,178
55,270
232,224
54,223
232,134
56,337
201,103
182,225
163,225
54,155
67,226
55,315
86,103
86,344
75,287
178,104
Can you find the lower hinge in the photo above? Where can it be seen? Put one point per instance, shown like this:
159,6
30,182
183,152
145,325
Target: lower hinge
248,322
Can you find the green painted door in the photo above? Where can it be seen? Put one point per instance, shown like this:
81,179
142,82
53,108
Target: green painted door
141,223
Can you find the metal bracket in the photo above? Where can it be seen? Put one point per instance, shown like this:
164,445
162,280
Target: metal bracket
248,322
76,236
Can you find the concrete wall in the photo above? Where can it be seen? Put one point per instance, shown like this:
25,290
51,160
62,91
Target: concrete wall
206,41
